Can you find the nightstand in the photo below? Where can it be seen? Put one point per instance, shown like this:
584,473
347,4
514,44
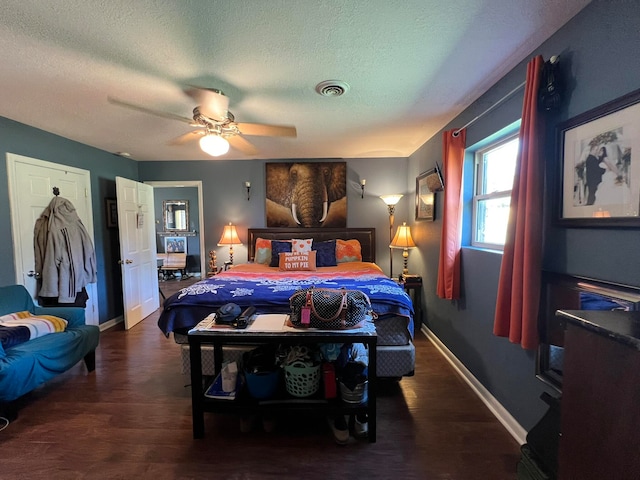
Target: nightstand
413,286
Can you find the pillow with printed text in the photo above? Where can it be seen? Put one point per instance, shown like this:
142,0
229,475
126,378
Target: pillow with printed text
292,261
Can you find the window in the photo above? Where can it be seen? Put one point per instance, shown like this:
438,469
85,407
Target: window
494,168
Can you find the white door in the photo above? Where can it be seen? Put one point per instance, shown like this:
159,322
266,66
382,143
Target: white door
31,183
136,223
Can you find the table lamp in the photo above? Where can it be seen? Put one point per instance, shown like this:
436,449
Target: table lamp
403,240
229,237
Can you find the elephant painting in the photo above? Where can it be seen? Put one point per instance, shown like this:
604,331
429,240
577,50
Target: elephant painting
306,194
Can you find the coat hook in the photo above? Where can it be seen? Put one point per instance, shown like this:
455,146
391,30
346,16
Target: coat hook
56,191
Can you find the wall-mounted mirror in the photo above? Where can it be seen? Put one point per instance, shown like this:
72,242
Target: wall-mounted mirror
176,215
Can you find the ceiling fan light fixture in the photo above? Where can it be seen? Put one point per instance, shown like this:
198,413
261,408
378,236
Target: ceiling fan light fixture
214,145
332,88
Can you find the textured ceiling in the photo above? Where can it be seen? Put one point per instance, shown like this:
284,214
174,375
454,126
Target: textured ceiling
412,66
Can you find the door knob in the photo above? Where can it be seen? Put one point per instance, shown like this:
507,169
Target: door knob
127,261
31,273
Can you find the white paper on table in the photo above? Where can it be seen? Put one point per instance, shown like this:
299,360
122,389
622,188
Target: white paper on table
271,322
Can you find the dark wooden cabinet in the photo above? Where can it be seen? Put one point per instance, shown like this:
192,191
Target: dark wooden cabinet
600,406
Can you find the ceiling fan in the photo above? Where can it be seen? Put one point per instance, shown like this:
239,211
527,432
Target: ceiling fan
215,124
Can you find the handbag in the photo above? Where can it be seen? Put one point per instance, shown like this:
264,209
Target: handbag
329,308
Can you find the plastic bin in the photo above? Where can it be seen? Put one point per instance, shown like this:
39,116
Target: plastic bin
302,379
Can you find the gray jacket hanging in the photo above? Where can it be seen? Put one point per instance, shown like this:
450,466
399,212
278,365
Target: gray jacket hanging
64,254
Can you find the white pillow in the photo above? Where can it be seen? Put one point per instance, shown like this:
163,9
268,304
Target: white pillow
301,245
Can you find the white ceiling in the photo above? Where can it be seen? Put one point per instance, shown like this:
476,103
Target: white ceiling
412,66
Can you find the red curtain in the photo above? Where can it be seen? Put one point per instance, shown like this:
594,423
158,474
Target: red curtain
519,284
449,262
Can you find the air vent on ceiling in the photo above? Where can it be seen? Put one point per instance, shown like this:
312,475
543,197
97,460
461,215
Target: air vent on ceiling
332,88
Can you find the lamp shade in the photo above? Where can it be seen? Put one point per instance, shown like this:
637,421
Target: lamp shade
229,236
402,238
391,199
214,145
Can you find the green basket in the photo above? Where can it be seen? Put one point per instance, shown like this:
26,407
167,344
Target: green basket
302,379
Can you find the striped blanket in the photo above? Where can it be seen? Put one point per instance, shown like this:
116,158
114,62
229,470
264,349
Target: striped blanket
19,327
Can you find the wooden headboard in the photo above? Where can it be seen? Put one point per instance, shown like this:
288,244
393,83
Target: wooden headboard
366,237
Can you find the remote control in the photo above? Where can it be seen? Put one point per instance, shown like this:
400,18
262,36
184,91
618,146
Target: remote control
245,317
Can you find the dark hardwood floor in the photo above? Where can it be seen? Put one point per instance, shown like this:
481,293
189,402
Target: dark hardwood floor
131,418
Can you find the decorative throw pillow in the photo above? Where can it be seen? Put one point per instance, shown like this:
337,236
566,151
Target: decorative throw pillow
348,251
293,261
263,251
278,247
301,245
326,253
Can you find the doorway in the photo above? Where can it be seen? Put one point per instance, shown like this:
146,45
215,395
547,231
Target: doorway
194,230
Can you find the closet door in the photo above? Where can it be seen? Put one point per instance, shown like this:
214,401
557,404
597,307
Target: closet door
31,183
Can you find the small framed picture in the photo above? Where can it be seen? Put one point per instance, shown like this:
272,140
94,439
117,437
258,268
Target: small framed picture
111,212
175,244
599,179
425,198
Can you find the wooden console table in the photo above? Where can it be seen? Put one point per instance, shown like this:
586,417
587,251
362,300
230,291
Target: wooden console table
257,334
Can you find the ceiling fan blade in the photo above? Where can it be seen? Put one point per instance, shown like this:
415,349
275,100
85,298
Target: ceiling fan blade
267,130
187,137
239,143
212,103
171,116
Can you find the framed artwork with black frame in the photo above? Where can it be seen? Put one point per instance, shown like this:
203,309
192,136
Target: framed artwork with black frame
112,212
598,182
425,198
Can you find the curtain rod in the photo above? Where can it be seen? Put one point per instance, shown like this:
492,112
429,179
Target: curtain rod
457,132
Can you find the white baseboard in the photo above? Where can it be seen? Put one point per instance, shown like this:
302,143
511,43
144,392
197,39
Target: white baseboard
111,323
501,413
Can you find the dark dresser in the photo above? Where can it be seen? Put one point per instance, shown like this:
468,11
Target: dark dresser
600,407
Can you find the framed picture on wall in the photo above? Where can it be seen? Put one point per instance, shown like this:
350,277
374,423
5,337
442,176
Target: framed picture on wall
318,190
599,166
175,244
425,198
112,212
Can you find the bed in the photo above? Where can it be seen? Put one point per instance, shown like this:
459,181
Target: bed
268,288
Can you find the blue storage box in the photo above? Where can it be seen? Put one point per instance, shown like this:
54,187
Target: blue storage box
262,384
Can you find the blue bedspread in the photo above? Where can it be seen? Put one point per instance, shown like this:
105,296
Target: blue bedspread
269,290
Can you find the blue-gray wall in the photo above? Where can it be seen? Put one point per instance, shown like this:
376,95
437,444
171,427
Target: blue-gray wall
599,57
225,197
103,167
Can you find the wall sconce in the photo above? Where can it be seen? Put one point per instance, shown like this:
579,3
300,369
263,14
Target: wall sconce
229,237
403,240
247,185
391,201
362,184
